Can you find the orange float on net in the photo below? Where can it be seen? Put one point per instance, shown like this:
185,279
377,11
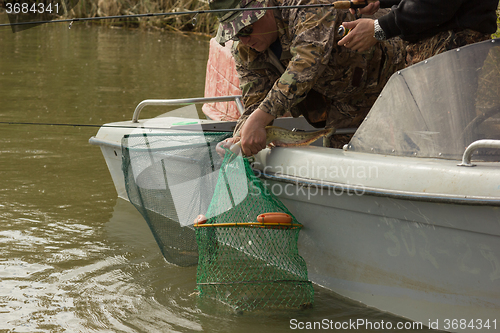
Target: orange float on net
280,218
265,220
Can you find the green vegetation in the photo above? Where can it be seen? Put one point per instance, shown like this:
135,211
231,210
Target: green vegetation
203,23
497,34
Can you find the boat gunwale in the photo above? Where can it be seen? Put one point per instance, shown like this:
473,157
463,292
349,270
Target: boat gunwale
355,189
395,194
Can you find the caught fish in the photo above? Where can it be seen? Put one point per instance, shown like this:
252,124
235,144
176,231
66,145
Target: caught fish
282,137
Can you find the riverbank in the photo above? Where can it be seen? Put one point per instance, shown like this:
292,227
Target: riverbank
497,34
205,24
200,23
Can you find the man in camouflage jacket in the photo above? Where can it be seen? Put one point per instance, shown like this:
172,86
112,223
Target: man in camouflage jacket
289,62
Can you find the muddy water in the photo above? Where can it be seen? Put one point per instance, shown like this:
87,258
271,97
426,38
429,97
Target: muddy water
73,257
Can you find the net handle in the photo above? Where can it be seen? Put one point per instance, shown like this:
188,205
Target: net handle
266,220
250,224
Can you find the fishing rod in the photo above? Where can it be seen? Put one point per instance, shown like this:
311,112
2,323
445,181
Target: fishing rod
83,125
337,5
69,125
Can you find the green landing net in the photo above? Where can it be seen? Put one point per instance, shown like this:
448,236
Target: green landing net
246,260
248,255
170,178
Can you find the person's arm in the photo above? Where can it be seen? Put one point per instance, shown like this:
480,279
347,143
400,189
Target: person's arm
253,132
412,17
312,43
255,81
409,18
370,9
310,48
362,35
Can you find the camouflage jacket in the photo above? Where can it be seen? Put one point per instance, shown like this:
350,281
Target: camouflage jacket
311,59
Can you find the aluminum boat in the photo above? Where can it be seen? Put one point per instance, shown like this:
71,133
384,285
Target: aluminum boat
404,218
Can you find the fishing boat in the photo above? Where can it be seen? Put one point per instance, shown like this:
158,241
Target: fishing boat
406,217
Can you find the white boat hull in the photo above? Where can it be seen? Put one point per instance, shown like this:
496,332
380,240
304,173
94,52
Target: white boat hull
407,257
428,257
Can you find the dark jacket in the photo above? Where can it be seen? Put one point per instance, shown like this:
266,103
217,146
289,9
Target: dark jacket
414,20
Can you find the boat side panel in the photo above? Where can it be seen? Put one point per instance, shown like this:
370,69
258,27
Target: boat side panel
113,157
425,176
388,258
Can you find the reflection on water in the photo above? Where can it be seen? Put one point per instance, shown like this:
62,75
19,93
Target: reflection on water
73,257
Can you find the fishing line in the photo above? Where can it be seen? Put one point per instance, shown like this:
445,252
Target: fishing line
77,125
337,4
56,124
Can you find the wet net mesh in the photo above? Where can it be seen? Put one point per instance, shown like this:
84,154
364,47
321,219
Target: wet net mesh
245,264
171,178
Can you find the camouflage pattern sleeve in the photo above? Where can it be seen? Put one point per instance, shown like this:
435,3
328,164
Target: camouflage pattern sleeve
311,35
256,77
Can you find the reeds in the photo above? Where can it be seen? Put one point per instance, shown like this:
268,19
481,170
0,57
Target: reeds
497,34
202,23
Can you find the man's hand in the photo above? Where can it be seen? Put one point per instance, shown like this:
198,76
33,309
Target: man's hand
225,144
253,132
371,9
361,36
